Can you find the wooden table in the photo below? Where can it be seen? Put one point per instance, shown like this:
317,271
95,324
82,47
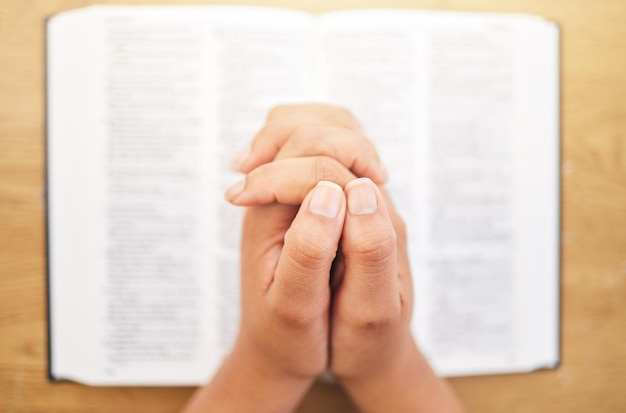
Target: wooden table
592,375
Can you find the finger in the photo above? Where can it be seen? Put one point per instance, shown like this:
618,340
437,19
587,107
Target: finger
264,230
281,122
315,114
404,266
300,289
369,293
351,149
287,181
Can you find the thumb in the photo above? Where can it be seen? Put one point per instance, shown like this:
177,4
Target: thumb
300,290
369,293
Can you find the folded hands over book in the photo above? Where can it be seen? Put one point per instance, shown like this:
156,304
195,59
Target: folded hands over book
326,281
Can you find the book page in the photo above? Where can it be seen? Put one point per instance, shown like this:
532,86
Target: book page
470,192
141,301
483,221
368,62
445,98
69,91
263,59
173,92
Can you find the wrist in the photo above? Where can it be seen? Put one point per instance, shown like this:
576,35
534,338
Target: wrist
406,384
247,358
405,361
246,382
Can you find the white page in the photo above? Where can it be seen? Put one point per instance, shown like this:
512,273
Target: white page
71,214
142,297
368,62
470,248
540,195
158,302
442,95
482,235
263,60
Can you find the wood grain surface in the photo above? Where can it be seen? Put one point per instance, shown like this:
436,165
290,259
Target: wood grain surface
592,374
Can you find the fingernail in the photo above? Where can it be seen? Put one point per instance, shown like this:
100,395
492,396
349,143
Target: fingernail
240,158
361,197
326,199
235,189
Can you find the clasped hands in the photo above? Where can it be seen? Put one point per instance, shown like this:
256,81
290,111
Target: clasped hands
326,282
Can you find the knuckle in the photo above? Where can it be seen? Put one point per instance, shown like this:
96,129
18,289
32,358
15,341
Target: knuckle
371,148
345,116
292,314
375,322
375,246
302,133
308,252
276,112
406,304
400,228
308,138
327,169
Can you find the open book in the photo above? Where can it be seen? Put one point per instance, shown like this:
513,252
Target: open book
147,105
